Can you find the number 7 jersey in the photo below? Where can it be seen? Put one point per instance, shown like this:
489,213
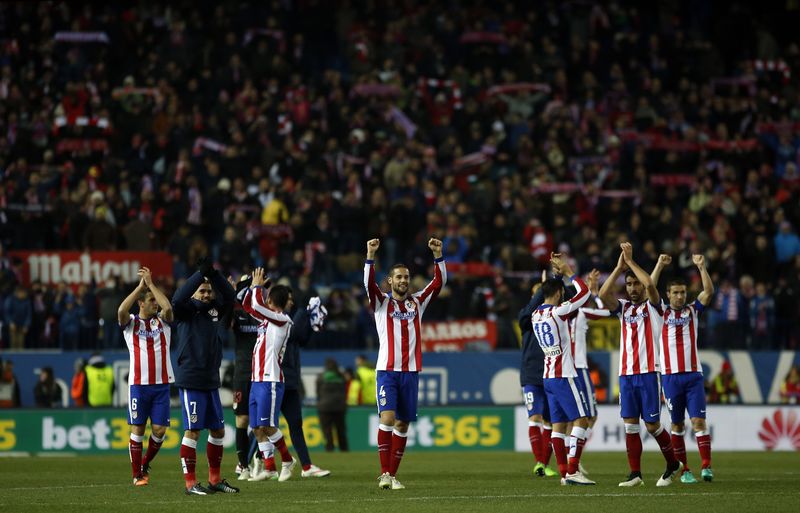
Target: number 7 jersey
551,327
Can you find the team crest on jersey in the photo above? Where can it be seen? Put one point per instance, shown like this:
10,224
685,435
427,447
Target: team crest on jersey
383,401
193,419
213,313
410,304
134,414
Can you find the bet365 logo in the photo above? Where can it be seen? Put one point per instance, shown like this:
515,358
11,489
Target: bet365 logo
781,424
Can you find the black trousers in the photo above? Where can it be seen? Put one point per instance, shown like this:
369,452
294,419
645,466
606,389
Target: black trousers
330,420
292,410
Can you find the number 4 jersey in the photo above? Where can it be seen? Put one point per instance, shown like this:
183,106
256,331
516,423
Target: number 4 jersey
551,327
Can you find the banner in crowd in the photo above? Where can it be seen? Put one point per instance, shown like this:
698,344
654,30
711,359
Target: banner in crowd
733,428
78,268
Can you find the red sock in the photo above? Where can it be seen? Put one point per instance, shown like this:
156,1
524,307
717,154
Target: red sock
135,450
679,448
575,459
535,437
633,443
665,443
280,444
214,455
152,450
269,463
704,446
385,449
547,447
188,461
306,467
398,448
560,450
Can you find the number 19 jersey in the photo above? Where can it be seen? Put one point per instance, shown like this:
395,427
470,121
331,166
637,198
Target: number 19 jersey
551,327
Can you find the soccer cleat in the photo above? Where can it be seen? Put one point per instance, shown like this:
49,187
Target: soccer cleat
257,467
315,471
197,489
538,469
707,474
222,487
244,473
397,485
146,471
582,469
141,480
688,478
548,472
578,479
634,479
669,474
563,481
385,481
286,470
264,475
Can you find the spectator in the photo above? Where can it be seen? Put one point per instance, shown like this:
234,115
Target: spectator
366,375
790,388
353,386
19,315
332,405
787,244
762,317
47,393
78,389
724,388
69,323
9,386
99,382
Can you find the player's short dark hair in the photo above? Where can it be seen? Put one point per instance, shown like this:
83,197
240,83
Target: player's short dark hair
551,287
676,281
141,296
631,274
396,266
279,295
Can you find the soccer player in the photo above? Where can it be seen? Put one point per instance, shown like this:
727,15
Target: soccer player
201,306
266,392
530,378
147,335
398,318
565,394
639,390
682,374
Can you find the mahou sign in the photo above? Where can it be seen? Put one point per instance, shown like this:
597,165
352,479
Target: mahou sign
476,334
75,268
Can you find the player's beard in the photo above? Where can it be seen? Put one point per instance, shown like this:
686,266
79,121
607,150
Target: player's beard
399,290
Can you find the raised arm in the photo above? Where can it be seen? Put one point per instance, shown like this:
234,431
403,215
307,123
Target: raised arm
374,292
433,288
254,302
182,299
161,299
124,310
708,286
663,261
225,294
641,274
607,290
570,308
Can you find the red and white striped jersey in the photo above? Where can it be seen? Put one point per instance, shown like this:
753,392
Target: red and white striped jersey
579,326
638,339
679,339
148,342
551,327
399,323
273,333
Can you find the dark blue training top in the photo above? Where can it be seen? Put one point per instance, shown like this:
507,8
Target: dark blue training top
300,335
201,332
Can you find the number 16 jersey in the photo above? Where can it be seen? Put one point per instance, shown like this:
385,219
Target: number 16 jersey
550,325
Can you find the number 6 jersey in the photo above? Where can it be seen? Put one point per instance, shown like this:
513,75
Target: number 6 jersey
550,325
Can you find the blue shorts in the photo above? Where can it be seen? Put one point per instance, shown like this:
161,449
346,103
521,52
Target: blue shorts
640,396
148,401
397,392
685,391
536,401
588,386
265,403
566,398
201,409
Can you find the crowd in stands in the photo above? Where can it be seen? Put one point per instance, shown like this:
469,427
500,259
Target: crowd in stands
286,134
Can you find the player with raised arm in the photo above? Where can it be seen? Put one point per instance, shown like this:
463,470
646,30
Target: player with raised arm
579,326
639,387
266,392
398,318
201,306
565,394
682,374
530,377
147,335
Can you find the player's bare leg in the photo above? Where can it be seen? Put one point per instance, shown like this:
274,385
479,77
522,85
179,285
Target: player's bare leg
703,438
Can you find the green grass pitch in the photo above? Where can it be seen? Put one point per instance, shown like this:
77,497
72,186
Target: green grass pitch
436,482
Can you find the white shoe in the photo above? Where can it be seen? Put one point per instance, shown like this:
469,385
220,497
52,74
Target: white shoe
315,471
257,466
397,485
244,473
286,470
582,469
669,475
634,479
264,475
578,479
563,481
385,481
238,469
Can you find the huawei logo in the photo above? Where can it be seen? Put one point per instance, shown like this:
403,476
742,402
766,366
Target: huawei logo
780,425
